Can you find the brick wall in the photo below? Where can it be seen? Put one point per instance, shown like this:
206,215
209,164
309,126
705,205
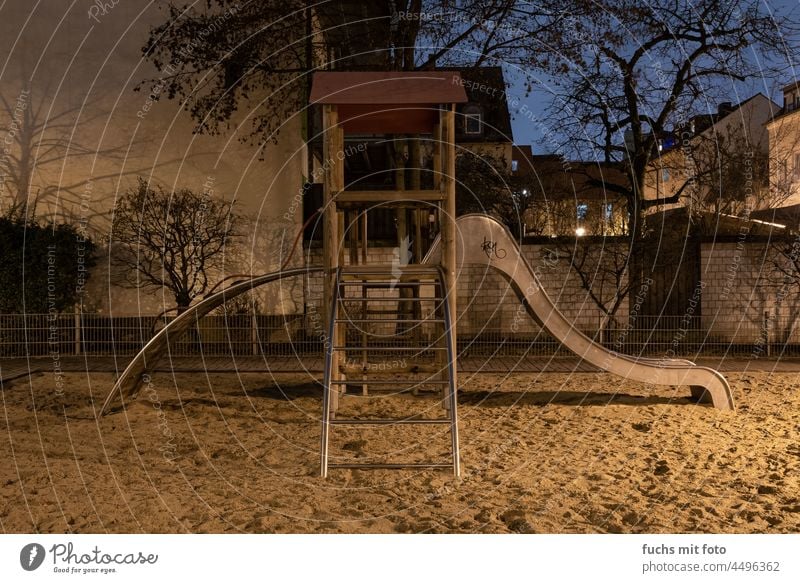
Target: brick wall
741,287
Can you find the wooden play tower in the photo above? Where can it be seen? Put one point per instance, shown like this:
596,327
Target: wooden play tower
363,299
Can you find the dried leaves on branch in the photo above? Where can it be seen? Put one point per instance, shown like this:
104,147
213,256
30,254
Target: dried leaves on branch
227,55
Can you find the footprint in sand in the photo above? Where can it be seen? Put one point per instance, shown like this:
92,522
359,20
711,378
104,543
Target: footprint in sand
662,468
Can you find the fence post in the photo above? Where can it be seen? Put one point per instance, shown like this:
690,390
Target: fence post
77,331
254,332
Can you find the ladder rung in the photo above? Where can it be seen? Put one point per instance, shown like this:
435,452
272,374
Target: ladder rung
414,368
391,278
384,284
399,421
389,270
389,320
388,196
421,466
374,299
361,382
418,349
368,312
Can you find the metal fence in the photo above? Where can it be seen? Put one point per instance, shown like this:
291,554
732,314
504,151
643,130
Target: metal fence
290,335
658,336
102,335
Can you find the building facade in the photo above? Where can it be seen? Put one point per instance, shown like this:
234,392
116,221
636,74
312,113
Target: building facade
715,162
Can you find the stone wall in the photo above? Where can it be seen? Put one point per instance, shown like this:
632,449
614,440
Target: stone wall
743,291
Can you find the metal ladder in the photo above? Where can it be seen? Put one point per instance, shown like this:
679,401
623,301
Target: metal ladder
440,372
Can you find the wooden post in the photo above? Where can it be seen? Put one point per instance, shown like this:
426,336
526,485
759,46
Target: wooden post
333,250
77,330
448,219
364,237
351,220
766,333
401,216
438,146
254,333
329,255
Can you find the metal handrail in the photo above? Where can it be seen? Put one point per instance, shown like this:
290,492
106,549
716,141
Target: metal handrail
451,368
326,381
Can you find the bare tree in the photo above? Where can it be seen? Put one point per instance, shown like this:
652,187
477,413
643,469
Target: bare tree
784,258
732,176
601,265
597,251
639,71
730,168
485,185
627,74
171,240
42,139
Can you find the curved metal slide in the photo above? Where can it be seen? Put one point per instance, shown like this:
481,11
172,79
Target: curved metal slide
129,382
482,240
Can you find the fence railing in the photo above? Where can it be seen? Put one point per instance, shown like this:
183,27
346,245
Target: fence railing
300,335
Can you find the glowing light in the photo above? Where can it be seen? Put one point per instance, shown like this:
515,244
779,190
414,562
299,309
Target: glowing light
580,231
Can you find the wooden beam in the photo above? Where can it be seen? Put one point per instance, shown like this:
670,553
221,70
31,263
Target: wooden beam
448,218
390,196
329,242
332,245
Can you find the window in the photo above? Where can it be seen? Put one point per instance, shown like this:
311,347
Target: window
791,101
514,165
473,123
608,213
797,166
583,211
665,175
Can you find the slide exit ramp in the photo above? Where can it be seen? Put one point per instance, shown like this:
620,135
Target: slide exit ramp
482,240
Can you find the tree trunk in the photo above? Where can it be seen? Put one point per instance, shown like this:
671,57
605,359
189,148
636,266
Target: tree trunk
182,301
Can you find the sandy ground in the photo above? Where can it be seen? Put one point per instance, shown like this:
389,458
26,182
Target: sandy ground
541,453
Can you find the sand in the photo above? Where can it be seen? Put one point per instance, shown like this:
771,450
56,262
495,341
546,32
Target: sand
542,453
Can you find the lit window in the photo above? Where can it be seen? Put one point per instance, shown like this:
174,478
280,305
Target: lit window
514,165
583,211
608,211
665,175
472,123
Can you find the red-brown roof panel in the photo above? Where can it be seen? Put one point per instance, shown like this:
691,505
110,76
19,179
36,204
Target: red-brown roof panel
387,119
387,87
